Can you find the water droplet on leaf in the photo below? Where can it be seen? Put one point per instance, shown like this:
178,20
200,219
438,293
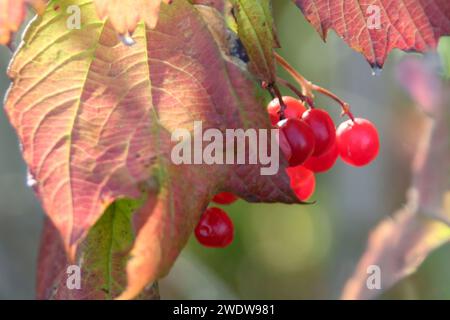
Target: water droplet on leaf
376,71
31,181
127,40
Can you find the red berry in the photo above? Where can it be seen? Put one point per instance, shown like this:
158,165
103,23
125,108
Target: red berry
215,228
294,109
303,182
224,198
296,140
357,141
323,127
323,162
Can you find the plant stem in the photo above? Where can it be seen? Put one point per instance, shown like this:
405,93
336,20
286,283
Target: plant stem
344,105
308,87
305,84
295,90
274,88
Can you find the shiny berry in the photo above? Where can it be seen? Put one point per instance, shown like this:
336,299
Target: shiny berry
323,162
303,182
357,141
296,140
215,228
323,128
294,109
224,198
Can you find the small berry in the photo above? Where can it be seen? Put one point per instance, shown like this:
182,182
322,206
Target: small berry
323,128
323,162
294,109
296,140
224,198
357,141
303,182
215,228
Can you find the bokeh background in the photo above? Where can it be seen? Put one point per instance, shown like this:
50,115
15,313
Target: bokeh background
280,251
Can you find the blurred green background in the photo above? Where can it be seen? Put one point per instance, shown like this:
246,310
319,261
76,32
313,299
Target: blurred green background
280,251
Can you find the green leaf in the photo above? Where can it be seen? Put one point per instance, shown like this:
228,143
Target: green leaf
102,258
256,31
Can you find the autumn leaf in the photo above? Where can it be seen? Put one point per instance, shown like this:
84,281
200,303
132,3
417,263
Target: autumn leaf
399,244
95,118
255,29
12,14
376,27
101,260
125,15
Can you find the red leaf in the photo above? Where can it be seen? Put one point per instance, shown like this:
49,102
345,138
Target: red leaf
411,25
95,119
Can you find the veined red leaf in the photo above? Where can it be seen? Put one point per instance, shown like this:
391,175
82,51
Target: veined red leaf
375,27
95,119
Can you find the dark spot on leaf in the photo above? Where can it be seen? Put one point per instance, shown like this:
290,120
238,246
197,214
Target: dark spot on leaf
237,50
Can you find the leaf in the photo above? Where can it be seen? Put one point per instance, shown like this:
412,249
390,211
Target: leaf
125,15
219,5
12,14
102,259
399,245
95,118
256,31
414,25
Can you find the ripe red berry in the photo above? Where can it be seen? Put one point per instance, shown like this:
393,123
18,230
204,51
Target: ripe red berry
323,162
323,128
357,141
215,228
303,182
294,109
224,198
296,140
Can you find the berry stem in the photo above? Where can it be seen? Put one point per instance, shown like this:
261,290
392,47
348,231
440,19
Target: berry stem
295,90
305,84
275,91
344,105
308,87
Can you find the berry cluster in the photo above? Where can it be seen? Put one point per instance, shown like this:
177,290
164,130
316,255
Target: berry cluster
215,228
311,143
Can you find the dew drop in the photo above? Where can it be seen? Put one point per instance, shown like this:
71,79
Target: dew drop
127,39
31,181
376,71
